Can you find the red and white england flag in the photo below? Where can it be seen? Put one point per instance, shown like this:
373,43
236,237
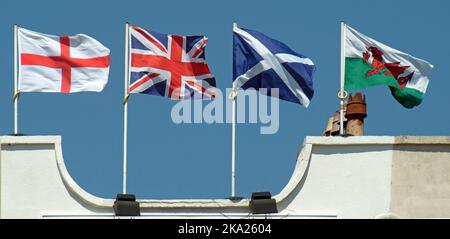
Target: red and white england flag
65,64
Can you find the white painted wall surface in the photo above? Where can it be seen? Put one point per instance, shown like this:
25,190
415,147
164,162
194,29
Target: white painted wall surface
351,182
334,178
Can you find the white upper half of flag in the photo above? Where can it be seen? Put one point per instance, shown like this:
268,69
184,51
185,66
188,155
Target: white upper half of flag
67,64
357,43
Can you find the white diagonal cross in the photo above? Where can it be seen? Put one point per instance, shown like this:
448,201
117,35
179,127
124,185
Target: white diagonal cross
271,61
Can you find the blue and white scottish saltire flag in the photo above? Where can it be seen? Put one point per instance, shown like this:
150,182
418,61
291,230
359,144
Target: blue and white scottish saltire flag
262,62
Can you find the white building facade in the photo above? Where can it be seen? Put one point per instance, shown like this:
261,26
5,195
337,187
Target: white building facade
334,177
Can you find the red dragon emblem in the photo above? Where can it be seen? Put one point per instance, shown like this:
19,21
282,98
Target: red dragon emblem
389,69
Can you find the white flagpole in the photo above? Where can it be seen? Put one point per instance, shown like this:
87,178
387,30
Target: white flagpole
16,92
342,93
233,139
125,108
233,145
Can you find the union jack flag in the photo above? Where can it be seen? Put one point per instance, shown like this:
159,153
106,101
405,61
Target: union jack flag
169,65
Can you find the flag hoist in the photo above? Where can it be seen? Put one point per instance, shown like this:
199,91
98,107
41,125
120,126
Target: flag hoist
271,67
64,64
367,62
166,65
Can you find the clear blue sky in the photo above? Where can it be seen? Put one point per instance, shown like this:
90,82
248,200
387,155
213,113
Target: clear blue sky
193,160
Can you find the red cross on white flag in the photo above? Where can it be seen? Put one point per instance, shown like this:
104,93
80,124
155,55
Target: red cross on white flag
65,64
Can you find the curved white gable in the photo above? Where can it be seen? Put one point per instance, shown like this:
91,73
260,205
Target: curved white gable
353,177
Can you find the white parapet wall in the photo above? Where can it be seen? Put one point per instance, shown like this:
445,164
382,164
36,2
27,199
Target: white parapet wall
334,177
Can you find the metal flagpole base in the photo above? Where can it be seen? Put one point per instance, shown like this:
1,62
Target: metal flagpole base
126,205
345,135
235,198
18,134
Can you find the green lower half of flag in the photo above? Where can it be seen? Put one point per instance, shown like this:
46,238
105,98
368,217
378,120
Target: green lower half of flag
360,74
408,97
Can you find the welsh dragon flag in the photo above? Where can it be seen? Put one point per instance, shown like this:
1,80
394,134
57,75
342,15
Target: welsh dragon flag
369,63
